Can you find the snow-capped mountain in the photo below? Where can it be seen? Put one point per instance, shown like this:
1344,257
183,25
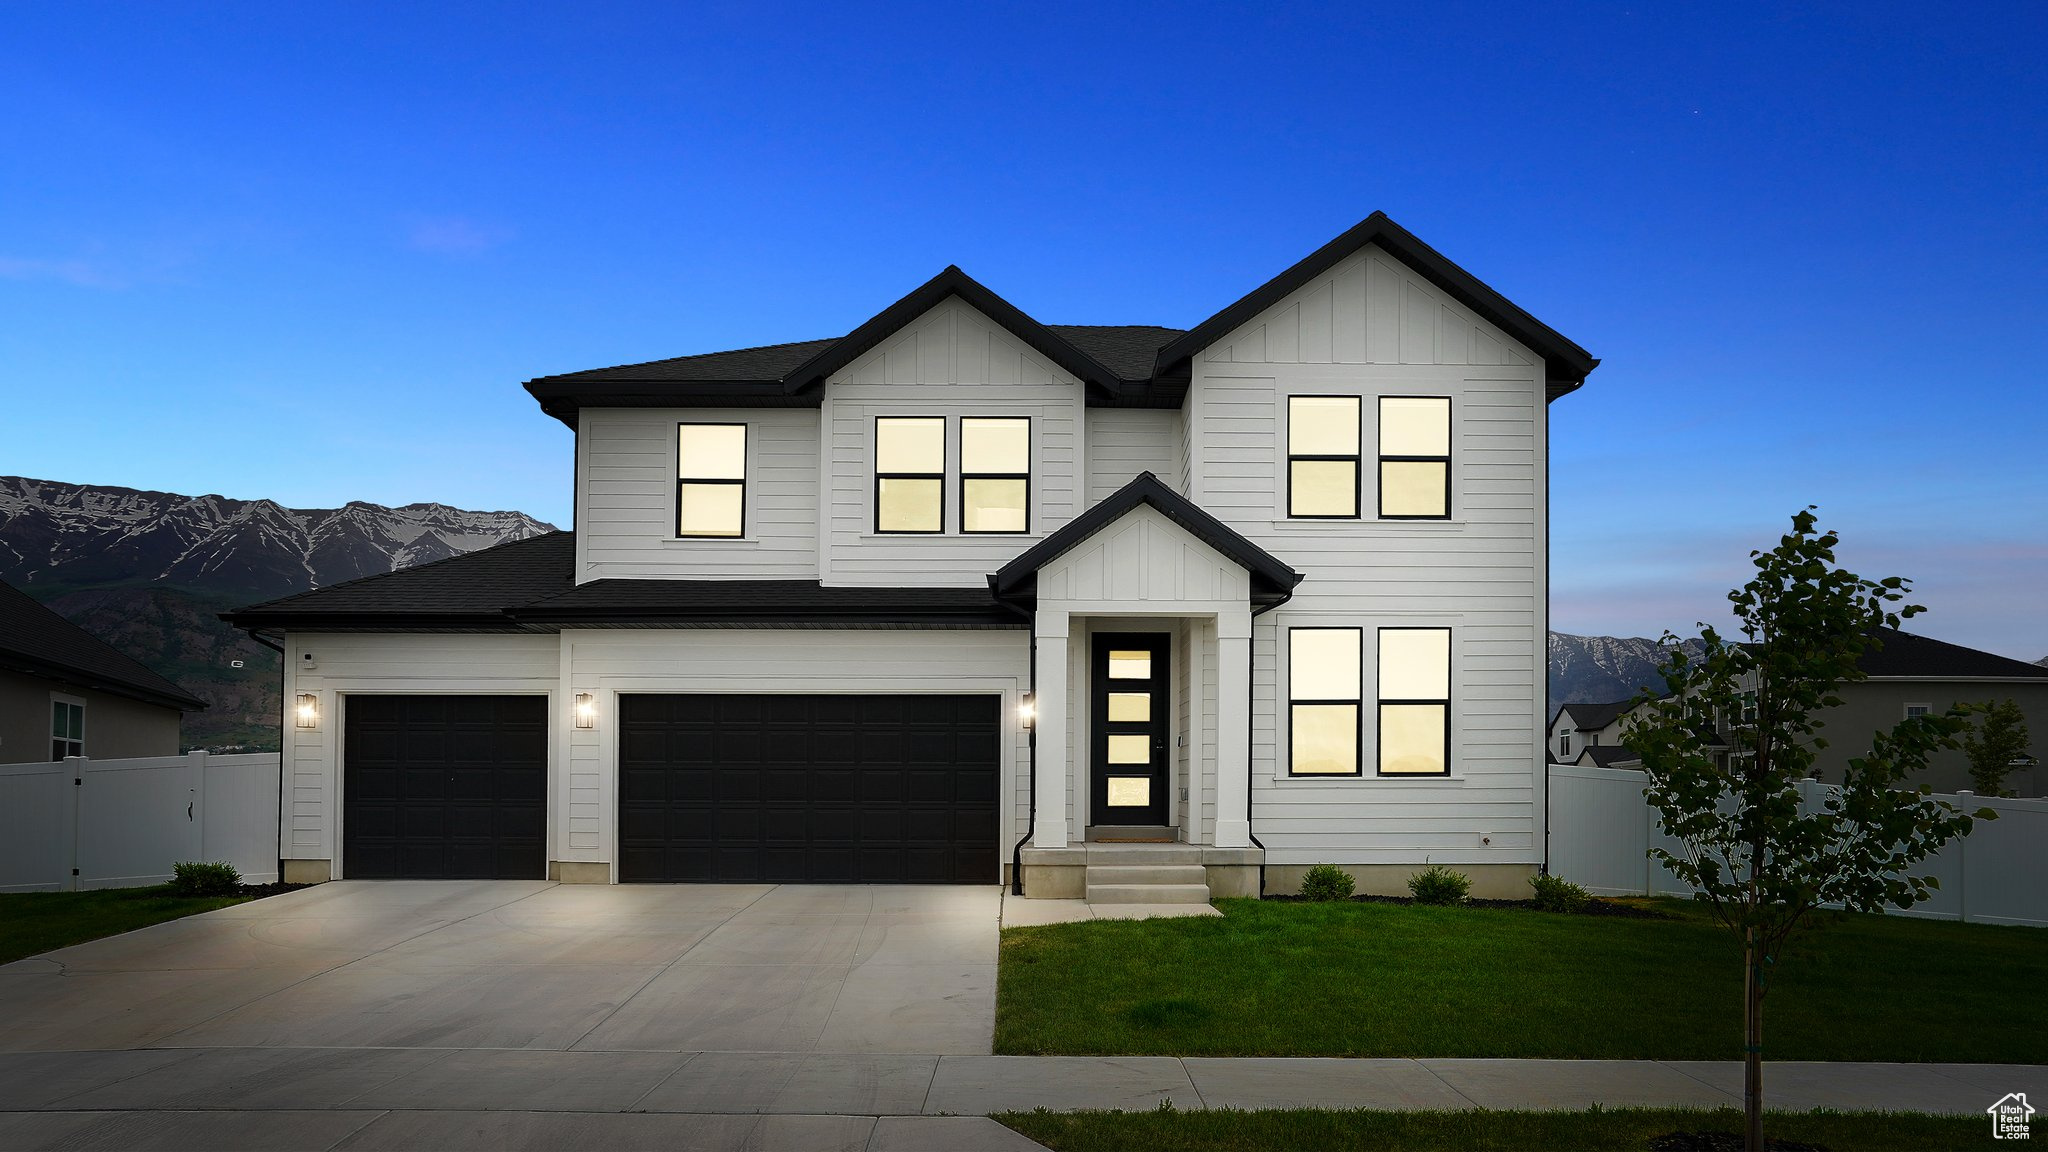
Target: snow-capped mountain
1598,669
55,535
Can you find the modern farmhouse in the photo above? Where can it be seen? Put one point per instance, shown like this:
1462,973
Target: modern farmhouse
962,596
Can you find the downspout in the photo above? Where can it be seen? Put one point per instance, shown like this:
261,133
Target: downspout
284,671
1031,813
1250,704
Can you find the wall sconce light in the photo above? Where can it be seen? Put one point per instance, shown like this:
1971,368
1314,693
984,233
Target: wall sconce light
586,710
1027,709
309,710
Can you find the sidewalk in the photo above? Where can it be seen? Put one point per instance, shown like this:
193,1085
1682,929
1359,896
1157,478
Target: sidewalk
464,1098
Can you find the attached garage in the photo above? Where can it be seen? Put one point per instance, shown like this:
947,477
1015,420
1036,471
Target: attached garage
857,788
444,787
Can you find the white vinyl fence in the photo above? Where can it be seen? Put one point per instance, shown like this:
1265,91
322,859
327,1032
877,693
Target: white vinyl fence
1601,830
82,823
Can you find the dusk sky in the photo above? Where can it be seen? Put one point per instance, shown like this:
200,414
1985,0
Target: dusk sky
310,252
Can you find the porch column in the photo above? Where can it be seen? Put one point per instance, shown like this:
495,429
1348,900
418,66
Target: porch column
1233,728
1049,629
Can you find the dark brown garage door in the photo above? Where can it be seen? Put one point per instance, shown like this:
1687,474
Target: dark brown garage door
872,789
444,787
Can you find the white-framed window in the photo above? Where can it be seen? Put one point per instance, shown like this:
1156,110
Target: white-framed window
1322,457
910,475
1564,745
1415,458
1415,701
1324,691
711,480
995,474
67,727
1921,709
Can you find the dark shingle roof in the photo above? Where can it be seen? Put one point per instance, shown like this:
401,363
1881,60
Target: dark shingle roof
1606,755
1129,350
743,365
38,642
1587,717
526,586
1904,654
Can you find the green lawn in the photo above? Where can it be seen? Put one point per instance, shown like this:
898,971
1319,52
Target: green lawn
1357,979
32,922
1621,1128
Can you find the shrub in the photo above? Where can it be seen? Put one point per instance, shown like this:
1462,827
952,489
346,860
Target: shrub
1557,894
1437,884
1326,882
218,878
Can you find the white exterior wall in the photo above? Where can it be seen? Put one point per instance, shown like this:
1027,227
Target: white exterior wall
953,362
1123,442
454,664
609,662
1371,327
626,496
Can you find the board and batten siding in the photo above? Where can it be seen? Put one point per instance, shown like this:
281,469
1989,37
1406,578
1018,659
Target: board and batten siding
361,663
626,499
1371,327
1122,442
608,663
953,361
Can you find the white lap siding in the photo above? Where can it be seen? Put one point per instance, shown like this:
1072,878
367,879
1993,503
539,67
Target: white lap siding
1123,442
345,663
1369,327
607,663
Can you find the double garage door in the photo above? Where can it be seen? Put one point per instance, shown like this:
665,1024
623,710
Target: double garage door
875,789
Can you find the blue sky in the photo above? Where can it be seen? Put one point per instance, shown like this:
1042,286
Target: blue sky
310,253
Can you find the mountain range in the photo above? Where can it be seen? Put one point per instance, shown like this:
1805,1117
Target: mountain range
148,572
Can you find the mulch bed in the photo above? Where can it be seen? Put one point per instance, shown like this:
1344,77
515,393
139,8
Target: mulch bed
1723,1142
1593,907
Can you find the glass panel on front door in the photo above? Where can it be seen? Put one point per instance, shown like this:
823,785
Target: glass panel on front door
1129,761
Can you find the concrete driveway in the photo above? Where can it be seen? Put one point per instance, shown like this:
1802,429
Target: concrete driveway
519,965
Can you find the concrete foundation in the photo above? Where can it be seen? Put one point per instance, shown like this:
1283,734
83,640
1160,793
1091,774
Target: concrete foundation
580,871
308,871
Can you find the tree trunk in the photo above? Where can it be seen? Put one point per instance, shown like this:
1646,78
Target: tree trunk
1752,1043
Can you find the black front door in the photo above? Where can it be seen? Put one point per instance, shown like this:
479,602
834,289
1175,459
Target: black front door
1130,686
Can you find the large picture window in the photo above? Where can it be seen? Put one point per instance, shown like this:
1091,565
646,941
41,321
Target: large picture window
1322,457
711,480
910,474
1323,690
1415,457
995,474
67,729
1415,702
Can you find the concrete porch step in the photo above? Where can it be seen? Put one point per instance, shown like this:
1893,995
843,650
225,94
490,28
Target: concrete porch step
1147,873
1148,893
1099,855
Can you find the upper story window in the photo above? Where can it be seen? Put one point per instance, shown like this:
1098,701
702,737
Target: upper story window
1323,691
910,474
1322,457
711,480
995,474
67,729
1564,745
1415,701
1415,458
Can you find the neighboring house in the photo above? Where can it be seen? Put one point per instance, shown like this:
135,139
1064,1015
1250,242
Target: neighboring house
65,692
1580,728
961,591
1905,675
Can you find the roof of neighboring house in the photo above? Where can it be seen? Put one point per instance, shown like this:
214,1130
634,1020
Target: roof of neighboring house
1272,580
1606,756
528,586
37,642
1120,365
1586,717
1904,654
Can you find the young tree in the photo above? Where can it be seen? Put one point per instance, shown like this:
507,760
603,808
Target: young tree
1725,753
1998,739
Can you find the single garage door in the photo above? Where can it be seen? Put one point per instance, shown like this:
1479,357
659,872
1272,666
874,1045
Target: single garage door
871,789
444,787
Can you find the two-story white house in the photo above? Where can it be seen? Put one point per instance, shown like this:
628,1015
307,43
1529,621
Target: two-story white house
966,597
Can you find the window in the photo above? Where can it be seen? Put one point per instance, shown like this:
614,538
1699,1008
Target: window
67,729
910,474
1593,740
1322,457
1323,688
1917,710
1564,746
711,480
1415,457
995,474
1415,701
